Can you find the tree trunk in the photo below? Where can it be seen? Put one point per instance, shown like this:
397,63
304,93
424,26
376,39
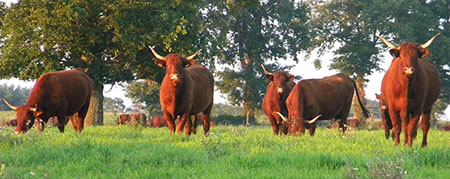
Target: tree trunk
249,113
358,113
95,112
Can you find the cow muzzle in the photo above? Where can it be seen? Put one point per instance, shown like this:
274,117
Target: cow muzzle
279,90
174,78
408,71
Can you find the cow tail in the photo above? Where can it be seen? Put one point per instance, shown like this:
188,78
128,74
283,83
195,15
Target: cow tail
365,111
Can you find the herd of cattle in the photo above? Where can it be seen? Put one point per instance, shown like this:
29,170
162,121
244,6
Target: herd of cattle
409,89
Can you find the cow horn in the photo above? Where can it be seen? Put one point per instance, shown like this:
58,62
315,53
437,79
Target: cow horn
156,54
33,109
390,45
282,117
11,106
265,71
313,120
194,55
425,45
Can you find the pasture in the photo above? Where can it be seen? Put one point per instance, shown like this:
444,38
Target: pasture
230,152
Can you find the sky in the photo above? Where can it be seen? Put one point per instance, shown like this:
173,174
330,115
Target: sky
304,68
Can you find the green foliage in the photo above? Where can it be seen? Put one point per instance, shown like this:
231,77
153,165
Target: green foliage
244,34
113,105
14,95
145,92
121,151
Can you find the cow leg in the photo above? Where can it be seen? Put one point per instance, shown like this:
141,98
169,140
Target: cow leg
82,115
386,129
188,126
405,118
170,120
396,122
425,124
206,123
194,119
274,124
61,123
182,122
312,130
412,129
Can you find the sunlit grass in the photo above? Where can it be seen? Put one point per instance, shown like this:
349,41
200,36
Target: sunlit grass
230,152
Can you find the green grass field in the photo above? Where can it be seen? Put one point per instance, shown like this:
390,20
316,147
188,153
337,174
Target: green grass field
230,152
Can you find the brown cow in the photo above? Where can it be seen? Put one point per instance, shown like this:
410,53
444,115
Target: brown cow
158,121
123,119
409,88
139,118
445,128
281,84
385,119
320,99
60,94
187,89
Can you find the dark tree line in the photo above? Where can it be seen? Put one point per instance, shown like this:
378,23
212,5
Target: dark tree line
14,95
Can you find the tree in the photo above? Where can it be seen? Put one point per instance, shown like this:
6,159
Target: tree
145,92
14,95
107,38
242,34
114,105
417,21
349,28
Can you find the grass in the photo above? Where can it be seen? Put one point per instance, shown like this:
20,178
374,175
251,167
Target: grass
230,152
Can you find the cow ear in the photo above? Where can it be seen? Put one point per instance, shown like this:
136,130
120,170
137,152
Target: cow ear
161,63
37,113
394,52
269,76
423,52
188,63
291,78
377,95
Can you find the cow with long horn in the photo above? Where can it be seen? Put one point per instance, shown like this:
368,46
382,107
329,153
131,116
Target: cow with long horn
274,102
320,99
60,94
409,89
187,89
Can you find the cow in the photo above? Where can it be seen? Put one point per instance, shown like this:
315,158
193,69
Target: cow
385,119
409,88
60,94
187,89
445,128
123,119
12,123
158,121
281,84
320,99
139,118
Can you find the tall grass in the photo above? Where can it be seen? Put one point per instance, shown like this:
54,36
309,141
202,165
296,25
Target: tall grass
229,152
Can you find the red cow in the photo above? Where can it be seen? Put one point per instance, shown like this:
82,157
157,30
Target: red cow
409,88
139,118
158,121
320,99
60,94
445,128
12,123
123,119
187,89
281,84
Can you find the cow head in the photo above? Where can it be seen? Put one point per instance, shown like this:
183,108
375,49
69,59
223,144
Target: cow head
174,63
279,79
408,54
26,116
